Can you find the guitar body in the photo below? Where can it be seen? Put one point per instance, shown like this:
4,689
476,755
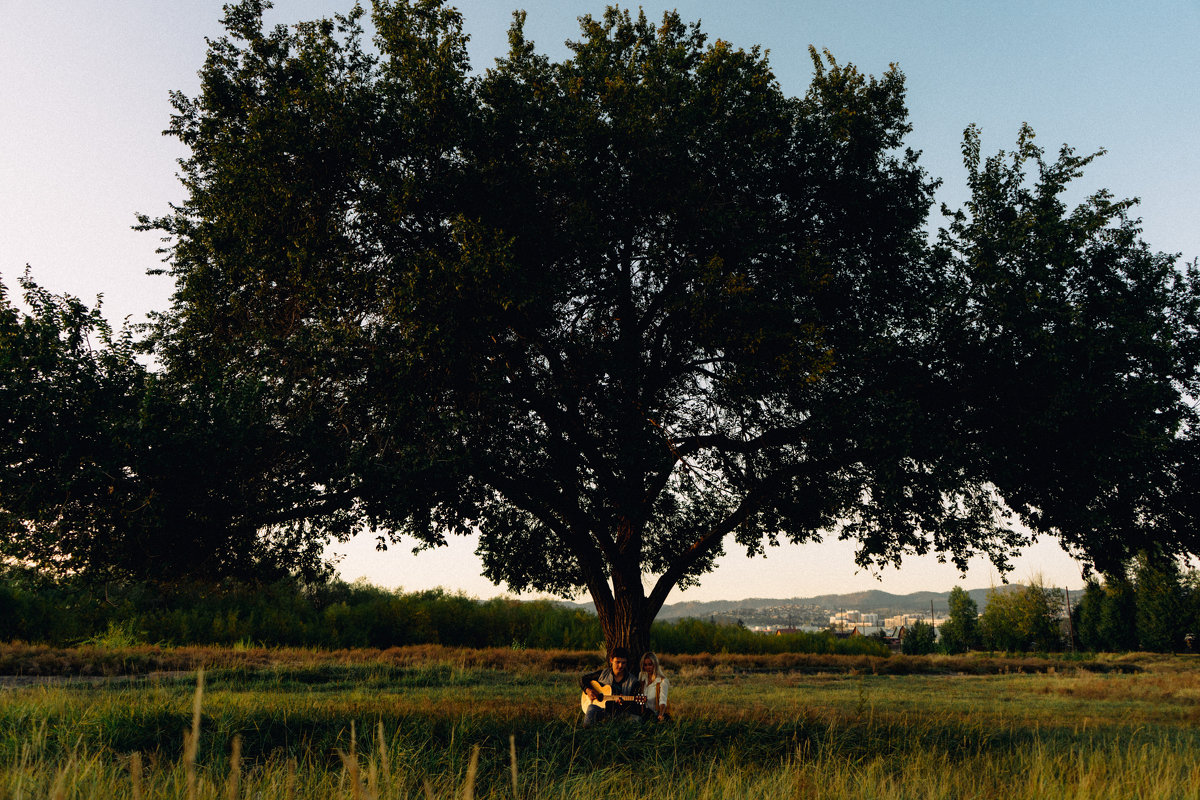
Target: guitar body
606,697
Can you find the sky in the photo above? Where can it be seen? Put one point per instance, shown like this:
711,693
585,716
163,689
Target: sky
84,97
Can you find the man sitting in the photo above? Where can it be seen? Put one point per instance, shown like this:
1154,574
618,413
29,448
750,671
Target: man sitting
611,692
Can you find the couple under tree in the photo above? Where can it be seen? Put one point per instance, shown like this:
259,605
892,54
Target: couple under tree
617,692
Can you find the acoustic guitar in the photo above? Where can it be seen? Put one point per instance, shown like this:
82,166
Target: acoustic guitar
606,696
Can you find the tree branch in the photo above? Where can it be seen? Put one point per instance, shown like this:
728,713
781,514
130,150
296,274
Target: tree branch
776,437
705,543
337,502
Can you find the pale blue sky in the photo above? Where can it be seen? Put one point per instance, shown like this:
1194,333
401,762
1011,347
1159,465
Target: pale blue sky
84,97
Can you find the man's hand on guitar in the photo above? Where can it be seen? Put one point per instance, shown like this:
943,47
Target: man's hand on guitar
599,694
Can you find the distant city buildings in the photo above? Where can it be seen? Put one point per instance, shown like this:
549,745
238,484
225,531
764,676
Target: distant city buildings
848,619
906,620
795,618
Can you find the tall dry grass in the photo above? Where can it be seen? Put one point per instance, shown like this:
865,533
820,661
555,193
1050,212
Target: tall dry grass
33,660
370,732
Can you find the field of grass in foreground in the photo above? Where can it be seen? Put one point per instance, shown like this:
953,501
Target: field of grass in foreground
324,729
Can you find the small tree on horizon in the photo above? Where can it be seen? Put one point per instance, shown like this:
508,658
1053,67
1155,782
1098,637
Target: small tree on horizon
920,639
1147,605
960,630
1087,616
1161,604
1023,618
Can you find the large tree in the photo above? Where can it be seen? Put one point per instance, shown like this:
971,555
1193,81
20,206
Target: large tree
68,392
109,471
1074,347
619,311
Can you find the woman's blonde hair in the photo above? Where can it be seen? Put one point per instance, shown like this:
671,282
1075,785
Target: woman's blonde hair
641,662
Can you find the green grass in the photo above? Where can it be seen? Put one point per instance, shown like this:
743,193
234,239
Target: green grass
320,728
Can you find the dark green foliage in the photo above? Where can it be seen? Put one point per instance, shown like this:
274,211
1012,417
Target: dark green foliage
1086,616
1023,619
1161,604
1149,606
70,391
285,613
699,636
920,639
341,615
1077,350
338,615
110,472
36,610
960,632
1118,615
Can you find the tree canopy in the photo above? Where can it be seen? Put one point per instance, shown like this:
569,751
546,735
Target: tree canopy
622,311
109,471
1075,350
68,391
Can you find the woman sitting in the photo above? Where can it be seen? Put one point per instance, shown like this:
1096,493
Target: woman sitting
655,686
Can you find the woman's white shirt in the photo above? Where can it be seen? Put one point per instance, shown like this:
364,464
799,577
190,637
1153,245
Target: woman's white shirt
655,691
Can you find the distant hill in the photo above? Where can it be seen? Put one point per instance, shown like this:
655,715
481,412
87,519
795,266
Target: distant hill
871,600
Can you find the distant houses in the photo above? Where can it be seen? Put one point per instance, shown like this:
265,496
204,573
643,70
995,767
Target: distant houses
891,637
850,622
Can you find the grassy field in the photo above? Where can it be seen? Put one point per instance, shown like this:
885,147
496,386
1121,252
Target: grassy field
437,723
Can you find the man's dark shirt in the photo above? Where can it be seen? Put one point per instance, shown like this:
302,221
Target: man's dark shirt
630,686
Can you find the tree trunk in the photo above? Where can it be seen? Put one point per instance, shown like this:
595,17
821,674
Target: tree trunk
625,621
